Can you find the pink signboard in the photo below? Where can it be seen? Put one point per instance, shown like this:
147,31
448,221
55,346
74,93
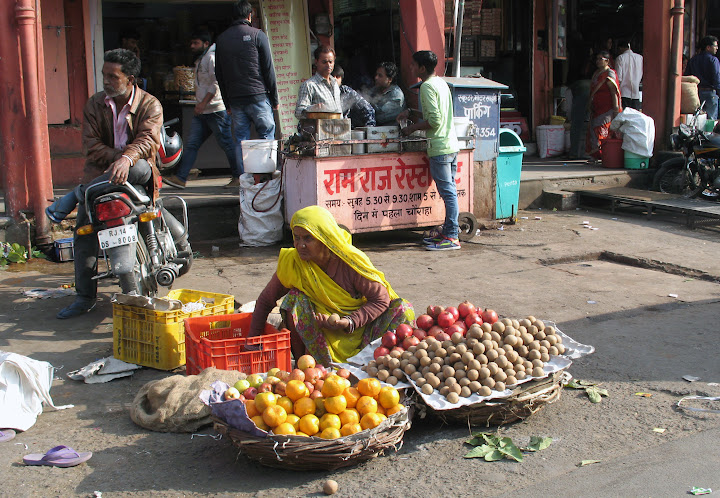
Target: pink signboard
374,192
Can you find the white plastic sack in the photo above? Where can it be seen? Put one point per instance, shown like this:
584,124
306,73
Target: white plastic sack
261,218
550,140
638,131
24,387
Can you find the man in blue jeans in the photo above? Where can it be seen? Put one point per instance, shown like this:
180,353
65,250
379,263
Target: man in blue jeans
442,144
210,115
706,67
246,77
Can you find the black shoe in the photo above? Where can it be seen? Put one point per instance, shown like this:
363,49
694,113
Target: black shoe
77,308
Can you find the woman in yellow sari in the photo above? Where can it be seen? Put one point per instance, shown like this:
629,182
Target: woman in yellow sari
324,274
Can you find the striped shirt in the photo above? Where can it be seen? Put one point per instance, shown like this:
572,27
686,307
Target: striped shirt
120,120
316,90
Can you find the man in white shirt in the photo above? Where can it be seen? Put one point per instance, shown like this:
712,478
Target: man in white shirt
629,68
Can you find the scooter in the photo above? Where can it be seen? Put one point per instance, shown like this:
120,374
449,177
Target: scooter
697,172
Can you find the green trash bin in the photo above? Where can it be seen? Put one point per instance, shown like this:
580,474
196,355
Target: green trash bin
509,165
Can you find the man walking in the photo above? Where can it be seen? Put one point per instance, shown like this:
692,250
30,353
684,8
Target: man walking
706,67
442,146
629,69
210,114
246,77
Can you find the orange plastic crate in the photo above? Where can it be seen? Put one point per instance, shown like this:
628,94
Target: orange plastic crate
219,341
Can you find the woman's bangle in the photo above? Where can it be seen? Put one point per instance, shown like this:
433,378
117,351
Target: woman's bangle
351,327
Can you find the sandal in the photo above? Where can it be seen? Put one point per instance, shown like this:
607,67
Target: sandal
6,435
59,456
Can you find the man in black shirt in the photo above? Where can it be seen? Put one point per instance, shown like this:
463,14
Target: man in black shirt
246,76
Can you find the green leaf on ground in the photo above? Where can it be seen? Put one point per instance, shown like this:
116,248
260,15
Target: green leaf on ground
511,451
538,443
587,462
480,451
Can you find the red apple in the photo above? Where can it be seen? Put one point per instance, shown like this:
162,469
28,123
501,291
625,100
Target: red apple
489,316
344,373
410,341
381,351
445,319
403,330
420,334
319,385
280,388
465,308
311,374
241,398
265,387
434,330
389,339
310,386
473,318
306,361
454,311
442,336
323,371
424,322
250,393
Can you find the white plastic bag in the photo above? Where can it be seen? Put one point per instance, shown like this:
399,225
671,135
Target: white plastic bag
550,140
638,131
24,387
261,218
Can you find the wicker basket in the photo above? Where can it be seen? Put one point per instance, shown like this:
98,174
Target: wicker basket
302,453
523,402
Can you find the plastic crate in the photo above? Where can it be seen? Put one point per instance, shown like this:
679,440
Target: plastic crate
157,338
219,341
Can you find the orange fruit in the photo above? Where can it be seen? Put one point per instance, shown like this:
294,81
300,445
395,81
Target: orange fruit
334,385
351,395
320,406
274,415
304,406
388,397
296,389
286,403
370,420
330,420
260,423
349,416
265,400
330,433
366,404
394,409
292,419
285,429
309,424
380,409
335,404
301,433
369,387
348,429
251,409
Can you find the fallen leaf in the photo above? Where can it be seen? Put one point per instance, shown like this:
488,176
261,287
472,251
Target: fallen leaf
644,395
587,462
538,443
658,429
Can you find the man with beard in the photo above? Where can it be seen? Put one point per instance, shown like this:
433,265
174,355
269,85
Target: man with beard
210,114
121,136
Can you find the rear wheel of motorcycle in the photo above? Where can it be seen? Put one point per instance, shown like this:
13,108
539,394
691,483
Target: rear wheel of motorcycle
140,280
672,177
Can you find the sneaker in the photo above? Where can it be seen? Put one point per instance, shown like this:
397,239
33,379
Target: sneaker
444,245
174,181
429,241
79,307
235,182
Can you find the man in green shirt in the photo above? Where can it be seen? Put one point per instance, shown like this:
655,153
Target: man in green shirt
442,144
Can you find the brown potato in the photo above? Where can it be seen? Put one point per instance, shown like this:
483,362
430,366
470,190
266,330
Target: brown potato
484,391
500,386
461,348
464,382
489,382
492,355
475,386
427,389
444,390
498,327
538,372
511,380
453,397
484,373
478,348
473,374
467,357
397,373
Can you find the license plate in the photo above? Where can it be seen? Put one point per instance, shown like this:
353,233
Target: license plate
118,236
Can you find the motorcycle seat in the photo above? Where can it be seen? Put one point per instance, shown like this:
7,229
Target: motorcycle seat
107,188
712,139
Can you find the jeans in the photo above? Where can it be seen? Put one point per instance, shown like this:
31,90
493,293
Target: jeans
710,98
261,115
86,246
201,127
443,169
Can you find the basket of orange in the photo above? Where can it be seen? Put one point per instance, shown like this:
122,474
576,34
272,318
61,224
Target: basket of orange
313,419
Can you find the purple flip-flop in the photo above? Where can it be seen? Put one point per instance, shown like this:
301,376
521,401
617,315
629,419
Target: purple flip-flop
59,456
6,435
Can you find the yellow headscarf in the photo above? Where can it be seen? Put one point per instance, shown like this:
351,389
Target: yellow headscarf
327,296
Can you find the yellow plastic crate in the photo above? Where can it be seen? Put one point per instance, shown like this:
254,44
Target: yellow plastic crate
156,339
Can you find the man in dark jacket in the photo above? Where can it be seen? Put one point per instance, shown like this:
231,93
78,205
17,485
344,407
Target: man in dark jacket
121,135
706,68
246,76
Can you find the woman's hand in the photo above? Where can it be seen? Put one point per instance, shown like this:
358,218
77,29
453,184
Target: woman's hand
332,322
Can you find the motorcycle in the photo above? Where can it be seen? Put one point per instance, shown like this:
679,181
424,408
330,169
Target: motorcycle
697,172
144,245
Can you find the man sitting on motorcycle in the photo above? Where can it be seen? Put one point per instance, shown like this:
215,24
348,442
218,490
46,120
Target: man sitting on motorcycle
121,134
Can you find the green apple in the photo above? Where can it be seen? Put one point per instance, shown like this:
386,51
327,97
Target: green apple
232,393
273,372
255,380
242,385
